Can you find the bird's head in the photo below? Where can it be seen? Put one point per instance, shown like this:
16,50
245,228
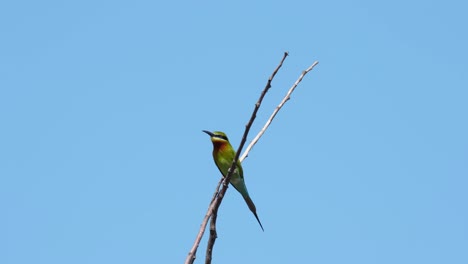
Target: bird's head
217,136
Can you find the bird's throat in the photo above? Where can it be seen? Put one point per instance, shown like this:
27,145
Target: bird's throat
220,146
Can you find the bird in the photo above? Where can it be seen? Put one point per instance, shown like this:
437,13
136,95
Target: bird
223,155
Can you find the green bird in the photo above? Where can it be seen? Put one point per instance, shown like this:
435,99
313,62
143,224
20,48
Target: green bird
223,155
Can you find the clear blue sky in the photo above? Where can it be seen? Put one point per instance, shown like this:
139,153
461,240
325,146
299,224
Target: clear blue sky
102,103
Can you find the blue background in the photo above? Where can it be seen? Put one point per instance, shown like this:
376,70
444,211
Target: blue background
103,160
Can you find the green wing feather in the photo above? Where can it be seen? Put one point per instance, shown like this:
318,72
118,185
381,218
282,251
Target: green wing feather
223,157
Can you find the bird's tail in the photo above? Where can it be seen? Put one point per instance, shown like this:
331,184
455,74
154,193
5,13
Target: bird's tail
252,208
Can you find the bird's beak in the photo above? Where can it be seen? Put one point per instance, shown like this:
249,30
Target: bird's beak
208,132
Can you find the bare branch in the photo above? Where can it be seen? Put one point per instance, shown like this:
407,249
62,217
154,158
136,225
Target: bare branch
268,122
221,194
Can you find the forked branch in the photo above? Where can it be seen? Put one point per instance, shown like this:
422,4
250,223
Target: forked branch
219,194
268,122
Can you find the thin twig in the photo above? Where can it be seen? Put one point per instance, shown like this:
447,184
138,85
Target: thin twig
213,235
192,254
268,122
220,196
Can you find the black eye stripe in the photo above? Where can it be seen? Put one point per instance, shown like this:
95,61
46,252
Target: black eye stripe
222,137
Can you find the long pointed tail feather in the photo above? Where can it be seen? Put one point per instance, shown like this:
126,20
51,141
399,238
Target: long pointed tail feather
252,208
